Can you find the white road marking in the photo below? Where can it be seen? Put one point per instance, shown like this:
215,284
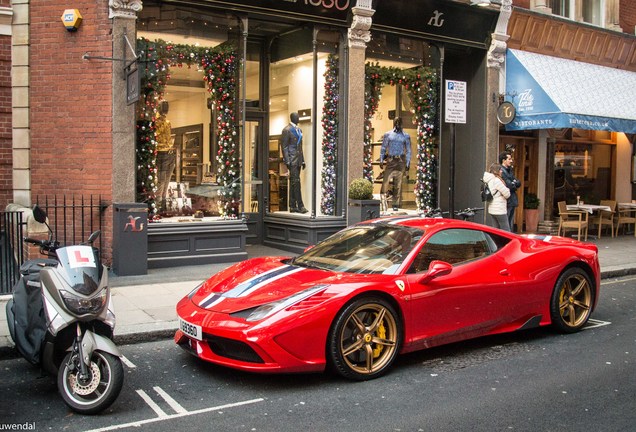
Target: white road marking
173,403
152,404
128,363
170,417
592,323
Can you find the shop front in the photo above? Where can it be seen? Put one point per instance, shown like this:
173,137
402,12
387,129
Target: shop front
245,115
577,117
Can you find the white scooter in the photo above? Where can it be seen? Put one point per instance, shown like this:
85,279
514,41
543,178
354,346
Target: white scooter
61,318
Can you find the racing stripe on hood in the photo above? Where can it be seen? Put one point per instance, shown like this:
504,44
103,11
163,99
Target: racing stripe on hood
245,288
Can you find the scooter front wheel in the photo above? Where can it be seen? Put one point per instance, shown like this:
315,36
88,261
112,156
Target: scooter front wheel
95,392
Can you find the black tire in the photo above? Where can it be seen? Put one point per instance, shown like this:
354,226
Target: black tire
572,300
97,393
365,339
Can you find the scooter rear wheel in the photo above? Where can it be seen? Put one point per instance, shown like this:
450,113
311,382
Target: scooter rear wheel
99,390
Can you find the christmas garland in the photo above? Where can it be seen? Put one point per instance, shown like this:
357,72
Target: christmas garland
221,66
330,136
421,83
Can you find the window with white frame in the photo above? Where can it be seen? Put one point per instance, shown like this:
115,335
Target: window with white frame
589,11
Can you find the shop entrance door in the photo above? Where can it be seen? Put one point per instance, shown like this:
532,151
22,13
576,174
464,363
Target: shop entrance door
525,152
253,204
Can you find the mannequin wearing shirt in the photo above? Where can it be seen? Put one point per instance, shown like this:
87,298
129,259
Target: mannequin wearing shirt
396,151
292,145
166,158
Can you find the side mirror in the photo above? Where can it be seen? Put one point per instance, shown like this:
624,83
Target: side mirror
436,269
94,236
38,214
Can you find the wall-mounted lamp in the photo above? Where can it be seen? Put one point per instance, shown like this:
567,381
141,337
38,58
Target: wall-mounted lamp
72,19
481,3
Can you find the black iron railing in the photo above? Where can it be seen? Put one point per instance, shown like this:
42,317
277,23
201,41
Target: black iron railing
73,219
11,249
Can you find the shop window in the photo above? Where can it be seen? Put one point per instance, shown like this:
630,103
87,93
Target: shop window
390,98
583,171
292,70
178,45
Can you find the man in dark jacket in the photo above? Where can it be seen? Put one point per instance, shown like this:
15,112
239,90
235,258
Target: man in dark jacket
508,175
292,145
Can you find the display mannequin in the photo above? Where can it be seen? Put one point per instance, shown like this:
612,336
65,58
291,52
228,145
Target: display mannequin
396,150
166,158
292,145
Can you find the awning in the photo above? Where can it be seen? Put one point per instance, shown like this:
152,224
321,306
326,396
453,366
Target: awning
553,93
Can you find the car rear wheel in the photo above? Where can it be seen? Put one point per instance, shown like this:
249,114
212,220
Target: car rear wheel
572,300
365,339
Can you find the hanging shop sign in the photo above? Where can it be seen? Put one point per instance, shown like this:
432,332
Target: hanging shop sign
506,113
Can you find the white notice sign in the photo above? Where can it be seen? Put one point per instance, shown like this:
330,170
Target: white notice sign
455,102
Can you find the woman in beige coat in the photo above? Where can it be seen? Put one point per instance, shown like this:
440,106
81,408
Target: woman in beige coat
497,208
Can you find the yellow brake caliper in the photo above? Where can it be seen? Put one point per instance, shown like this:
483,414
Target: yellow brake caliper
381,333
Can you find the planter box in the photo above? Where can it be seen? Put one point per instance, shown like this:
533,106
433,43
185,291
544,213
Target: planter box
361,210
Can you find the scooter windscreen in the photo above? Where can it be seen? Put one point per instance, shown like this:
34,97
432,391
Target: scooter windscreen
82,269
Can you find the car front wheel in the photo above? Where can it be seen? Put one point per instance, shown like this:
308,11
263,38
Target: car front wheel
572,300
365,339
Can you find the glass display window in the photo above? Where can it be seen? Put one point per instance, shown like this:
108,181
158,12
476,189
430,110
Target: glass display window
401,125
184,96
303,135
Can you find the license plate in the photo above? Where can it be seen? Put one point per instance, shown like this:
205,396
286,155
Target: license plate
192,330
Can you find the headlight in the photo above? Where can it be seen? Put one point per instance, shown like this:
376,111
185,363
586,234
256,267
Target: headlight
194,291
81,306
268,309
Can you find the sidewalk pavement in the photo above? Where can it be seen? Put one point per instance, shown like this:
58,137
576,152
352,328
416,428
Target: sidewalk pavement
145,305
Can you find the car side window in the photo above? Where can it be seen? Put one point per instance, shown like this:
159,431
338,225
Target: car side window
454,246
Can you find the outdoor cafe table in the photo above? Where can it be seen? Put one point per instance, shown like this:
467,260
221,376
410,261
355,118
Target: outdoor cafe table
590,208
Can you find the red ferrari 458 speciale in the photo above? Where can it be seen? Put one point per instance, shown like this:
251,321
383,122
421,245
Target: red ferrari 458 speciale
393,285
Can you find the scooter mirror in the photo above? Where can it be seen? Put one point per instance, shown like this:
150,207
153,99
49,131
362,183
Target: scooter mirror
38,214
94,236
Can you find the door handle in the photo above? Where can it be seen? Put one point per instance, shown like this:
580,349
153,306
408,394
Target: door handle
504,272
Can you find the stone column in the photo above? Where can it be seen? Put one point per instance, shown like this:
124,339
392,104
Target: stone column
358,36
495,79
20,104
124,14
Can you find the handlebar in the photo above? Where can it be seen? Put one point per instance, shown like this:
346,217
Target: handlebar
47,247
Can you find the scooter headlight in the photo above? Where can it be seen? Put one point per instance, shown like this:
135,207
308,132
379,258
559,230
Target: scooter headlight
82,306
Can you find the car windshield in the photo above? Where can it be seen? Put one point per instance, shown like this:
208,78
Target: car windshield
377,248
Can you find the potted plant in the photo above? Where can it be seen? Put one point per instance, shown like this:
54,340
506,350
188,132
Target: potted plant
531,209
362,206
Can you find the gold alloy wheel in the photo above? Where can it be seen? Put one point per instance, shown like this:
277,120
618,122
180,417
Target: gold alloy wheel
575,300
369,338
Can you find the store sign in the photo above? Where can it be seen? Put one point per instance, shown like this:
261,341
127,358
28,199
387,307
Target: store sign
330,9
437,19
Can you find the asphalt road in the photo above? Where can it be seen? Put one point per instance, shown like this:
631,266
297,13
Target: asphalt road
534,380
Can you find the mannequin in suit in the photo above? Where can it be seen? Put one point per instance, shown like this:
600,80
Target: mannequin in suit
292,145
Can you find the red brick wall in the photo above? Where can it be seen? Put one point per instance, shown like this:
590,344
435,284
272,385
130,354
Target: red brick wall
71,103
627,10
521,3
6,188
